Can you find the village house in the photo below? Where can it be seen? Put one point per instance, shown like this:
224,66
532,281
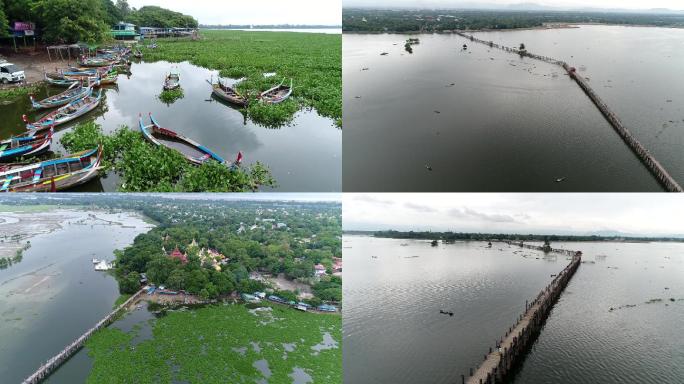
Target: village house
319,270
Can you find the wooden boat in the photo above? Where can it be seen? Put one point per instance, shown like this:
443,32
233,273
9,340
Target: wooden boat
53,175
228,93
194,152
95,61
277,94
58,79
172,81
71,94
66,113
31,144
85,71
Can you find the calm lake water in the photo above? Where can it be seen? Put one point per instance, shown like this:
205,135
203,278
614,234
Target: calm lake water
393,331
54,294
635,70
304,156
487,120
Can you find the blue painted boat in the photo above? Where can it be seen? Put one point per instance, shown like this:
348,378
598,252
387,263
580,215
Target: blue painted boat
66,113
193,151
53,175
58,79
71,94
31,144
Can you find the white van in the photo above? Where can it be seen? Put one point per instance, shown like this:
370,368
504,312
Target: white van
10,73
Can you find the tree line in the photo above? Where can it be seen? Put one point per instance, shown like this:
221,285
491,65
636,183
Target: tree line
423,20
464,236
90,21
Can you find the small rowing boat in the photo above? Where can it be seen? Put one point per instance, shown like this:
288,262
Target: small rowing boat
53,175
228,93
172,81
58,79
66,113
30,144
277,94
194,152
96,61
58,100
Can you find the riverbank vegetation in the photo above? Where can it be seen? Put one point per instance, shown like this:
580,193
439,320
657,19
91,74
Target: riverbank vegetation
464,236
424,20
10,94
223,343
144,167
261,60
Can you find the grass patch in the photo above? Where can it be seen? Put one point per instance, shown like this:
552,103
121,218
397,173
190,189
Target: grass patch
213,345
122,299
144,167
168,97
313,61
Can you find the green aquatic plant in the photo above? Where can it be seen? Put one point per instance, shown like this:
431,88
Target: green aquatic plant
313,61
219,344
170,96
11,94
144,167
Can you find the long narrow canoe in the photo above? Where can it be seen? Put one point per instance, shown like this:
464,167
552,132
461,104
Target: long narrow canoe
194,152
63,98
85,71
172,81
277,94
96,61
53,175
58,79
228,93
31,144
66,113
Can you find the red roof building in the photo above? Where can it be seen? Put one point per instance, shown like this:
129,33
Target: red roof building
177,254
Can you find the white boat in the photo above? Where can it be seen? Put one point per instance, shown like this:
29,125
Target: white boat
103,266
95,261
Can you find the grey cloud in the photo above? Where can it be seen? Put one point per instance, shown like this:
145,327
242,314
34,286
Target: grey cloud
468,213
419,207
373,200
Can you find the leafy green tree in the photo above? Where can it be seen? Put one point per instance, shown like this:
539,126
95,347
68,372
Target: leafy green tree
72,20
130,283
4,25
176,279
123,7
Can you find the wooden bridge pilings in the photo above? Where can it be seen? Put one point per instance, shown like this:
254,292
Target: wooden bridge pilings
511,348
54,362
650,162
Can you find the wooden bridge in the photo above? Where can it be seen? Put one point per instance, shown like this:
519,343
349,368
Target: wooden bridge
650,162
54,362
511,348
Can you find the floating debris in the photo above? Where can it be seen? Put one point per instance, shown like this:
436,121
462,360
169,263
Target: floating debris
560,179
436,111
428,167
384,54
365,68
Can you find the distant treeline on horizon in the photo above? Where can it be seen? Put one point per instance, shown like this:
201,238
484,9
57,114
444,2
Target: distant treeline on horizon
429,235
438,20
268,26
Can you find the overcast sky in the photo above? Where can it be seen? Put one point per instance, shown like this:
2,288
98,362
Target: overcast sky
622,4
556,213
311,12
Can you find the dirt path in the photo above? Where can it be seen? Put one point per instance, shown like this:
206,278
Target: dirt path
33,63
